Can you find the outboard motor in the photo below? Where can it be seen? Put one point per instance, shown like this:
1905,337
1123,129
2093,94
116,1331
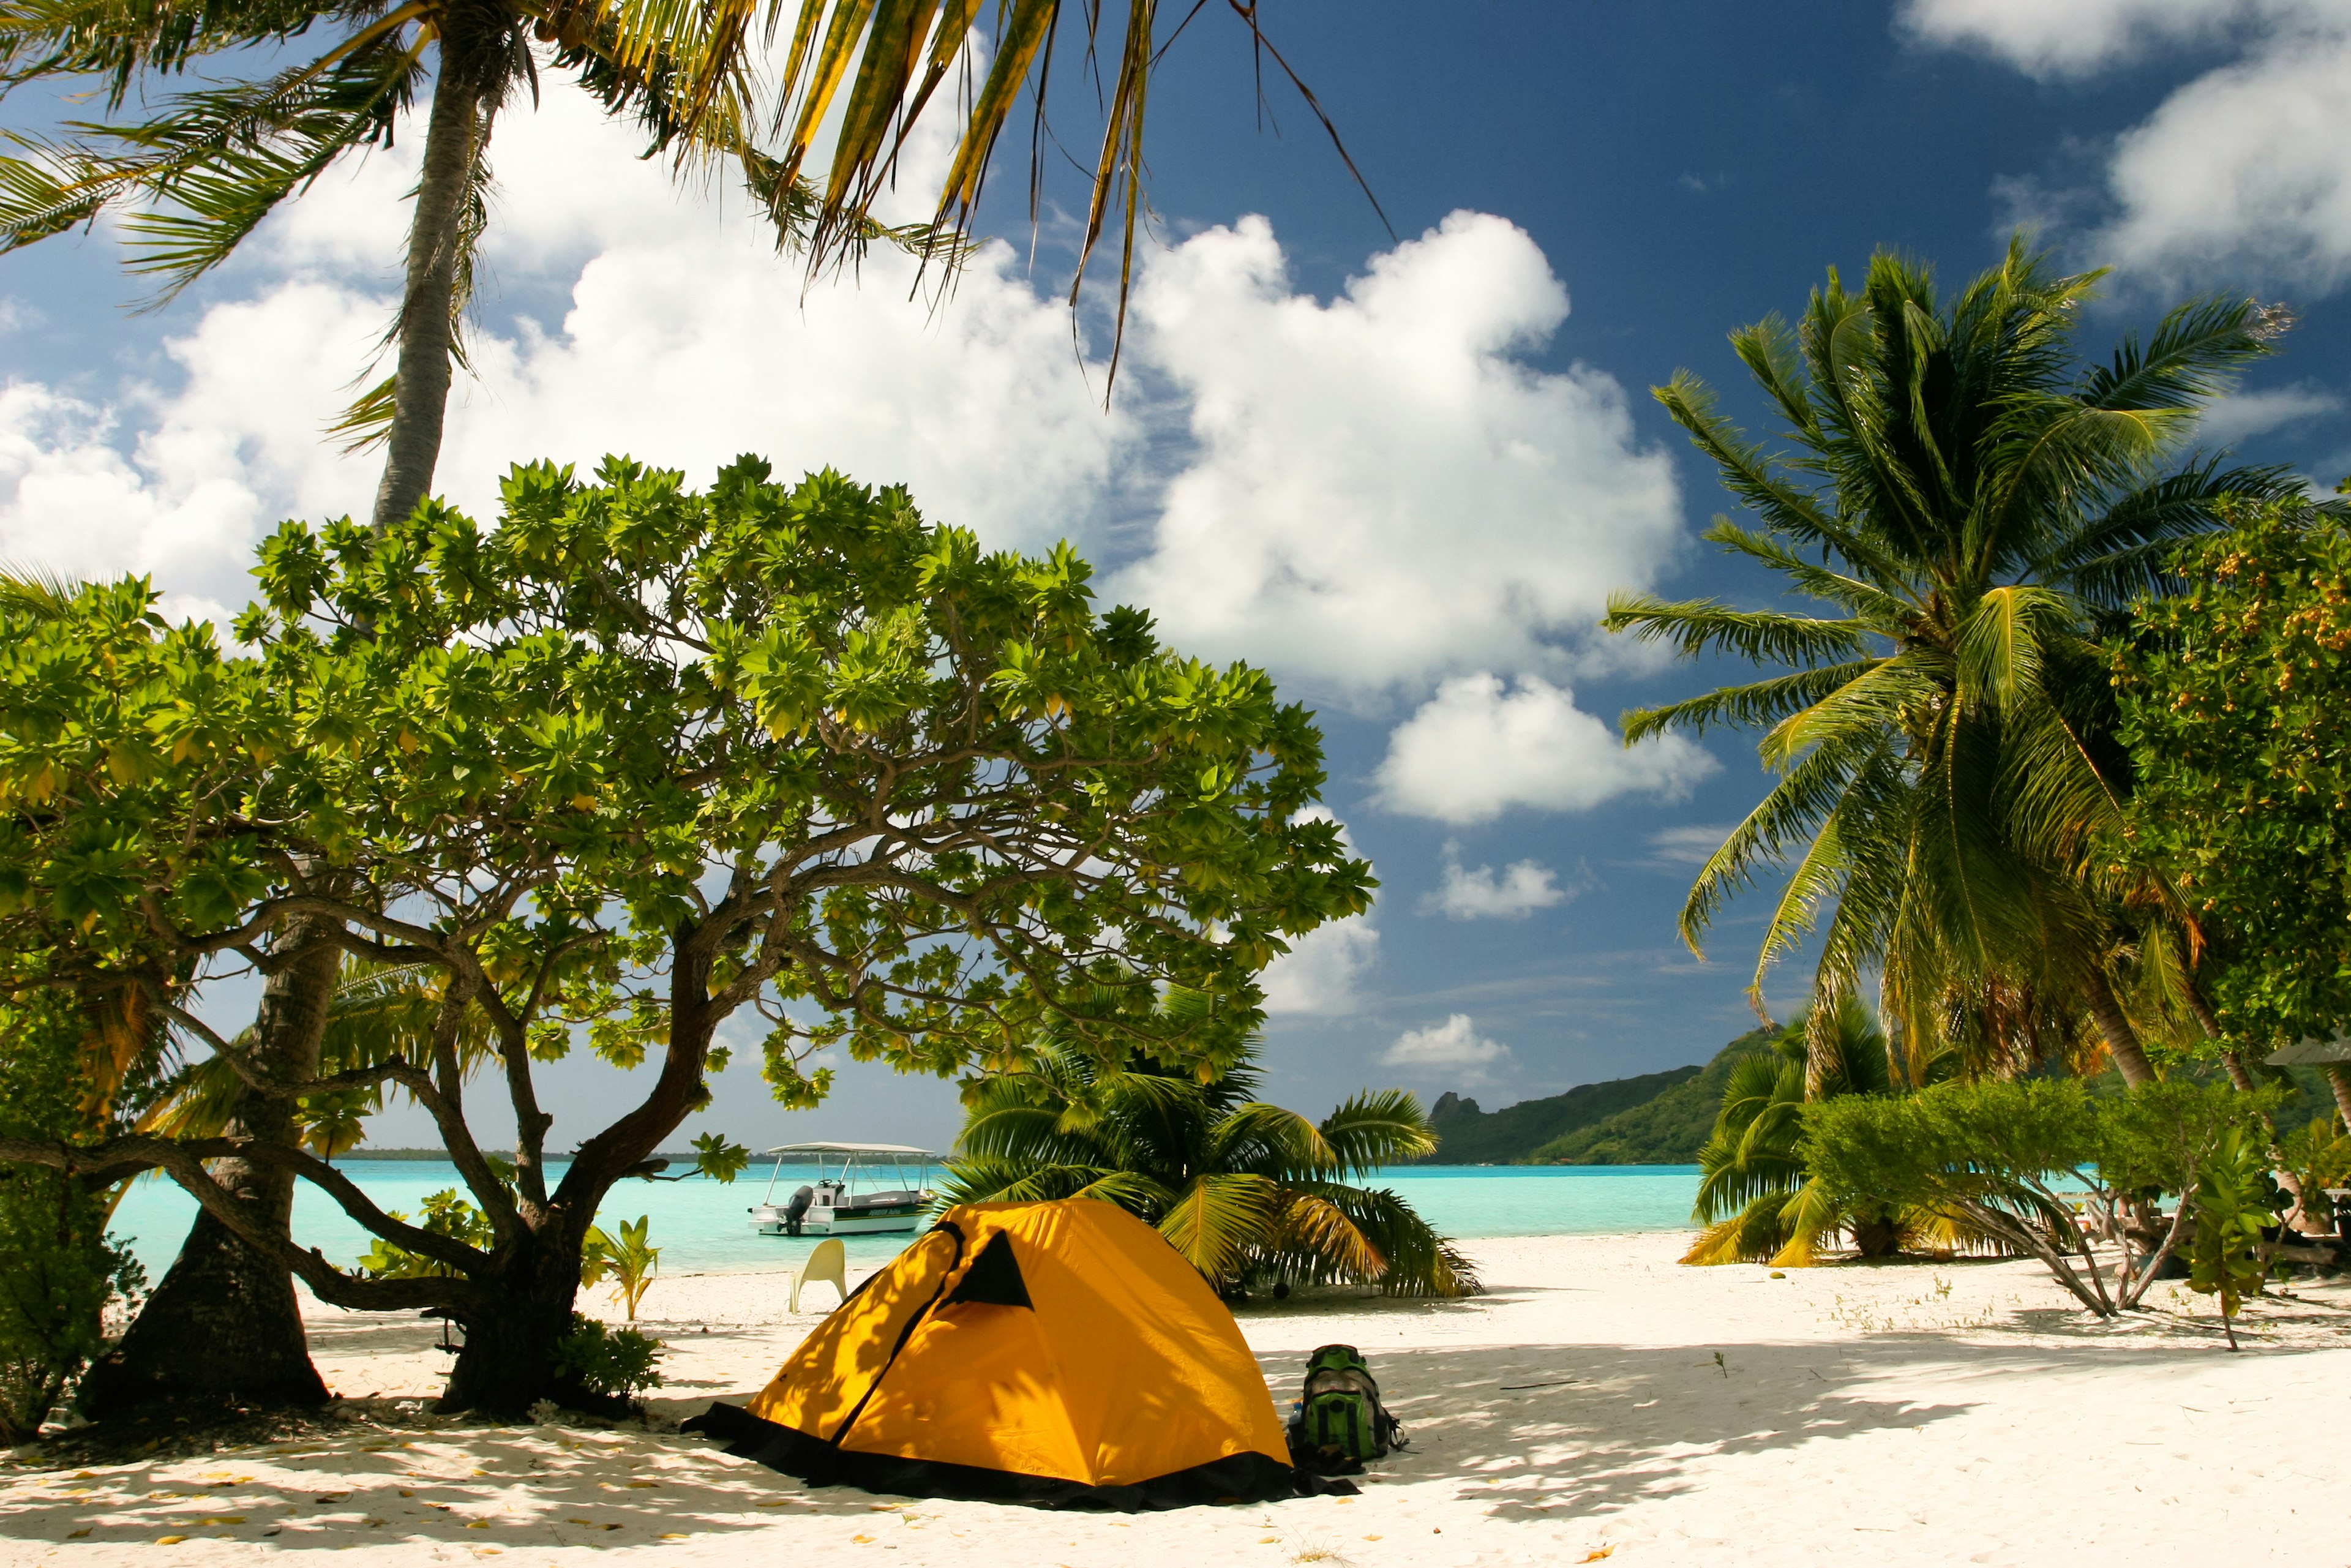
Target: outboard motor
797,1210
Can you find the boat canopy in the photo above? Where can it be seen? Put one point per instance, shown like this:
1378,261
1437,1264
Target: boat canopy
901,1150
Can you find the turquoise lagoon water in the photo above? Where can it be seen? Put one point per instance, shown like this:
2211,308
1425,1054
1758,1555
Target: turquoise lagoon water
704,1226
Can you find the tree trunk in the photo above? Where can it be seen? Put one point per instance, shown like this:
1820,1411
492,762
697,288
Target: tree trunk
1878,1235
507,1364
2338,1078
223,1323
2209,1022
2122,1041
426,333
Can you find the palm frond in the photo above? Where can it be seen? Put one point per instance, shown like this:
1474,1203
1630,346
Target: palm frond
1215,1217
1705,626
1378,1127
881,62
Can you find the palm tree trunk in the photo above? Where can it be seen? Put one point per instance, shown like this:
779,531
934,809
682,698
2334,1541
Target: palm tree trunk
2211,1023
2122,1041
2338,1078
224,1325
420,392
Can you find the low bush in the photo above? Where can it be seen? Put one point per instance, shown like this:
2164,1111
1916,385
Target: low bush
2010,1160
609,1363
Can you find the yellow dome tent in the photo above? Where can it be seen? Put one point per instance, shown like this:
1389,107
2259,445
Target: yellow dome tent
1053,1353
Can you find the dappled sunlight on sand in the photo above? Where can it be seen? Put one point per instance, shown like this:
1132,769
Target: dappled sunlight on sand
1599,1398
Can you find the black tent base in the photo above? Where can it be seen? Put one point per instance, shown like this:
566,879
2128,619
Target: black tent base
1237,1478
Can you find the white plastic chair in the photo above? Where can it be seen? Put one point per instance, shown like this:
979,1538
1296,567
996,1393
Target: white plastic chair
828,1261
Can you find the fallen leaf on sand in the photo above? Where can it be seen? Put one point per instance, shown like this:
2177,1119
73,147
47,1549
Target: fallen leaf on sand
169,1540
675,1535
1597,1552
1370,1538
81,1534
644,1483
477,1524
221,1519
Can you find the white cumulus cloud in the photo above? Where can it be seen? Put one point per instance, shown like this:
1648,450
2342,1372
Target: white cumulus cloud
2079,36
1323,973
1478,747
1370,493
2245,171
1381,493
2242,414
1513,892
1453,1049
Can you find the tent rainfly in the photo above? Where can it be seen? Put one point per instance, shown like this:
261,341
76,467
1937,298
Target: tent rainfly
1058,1353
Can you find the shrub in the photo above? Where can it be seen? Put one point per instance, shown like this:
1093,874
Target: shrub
611,1363
2009,1160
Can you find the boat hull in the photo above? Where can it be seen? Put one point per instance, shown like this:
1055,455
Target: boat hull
770,1221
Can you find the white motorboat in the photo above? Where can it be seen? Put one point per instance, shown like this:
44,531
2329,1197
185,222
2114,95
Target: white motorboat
850,1196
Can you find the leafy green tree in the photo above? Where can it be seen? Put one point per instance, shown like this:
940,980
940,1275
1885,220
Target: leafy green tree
2232,692
2233,1200
1972,510
634,760
209,154
63,1272
1253,1195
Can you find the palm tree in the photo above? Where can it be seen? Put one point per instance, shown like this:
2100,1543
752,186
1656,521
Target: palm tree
201,171
1755,1197
379,1012
1972,512
1253,1196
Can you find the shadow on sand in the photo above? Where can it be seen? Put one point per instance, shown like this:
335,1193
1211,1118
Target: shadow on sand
1540,1431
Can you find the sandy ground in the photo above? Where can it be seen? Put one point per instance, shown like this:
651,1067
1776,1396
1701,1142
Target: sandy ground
1599,1402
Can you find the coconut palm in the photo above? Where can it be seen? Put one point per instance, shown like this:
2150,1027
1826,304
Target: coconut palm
1972,510
1755,1197
206,165
1254,1196
200,173
379,1012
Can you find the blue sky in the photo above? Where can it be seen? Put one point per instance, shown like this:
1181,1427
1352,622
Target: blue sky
1402,476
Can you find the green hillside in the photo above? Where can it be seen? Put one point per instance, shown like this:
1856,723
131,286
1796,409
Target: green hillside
1657,1118
1664,1130
1467,1135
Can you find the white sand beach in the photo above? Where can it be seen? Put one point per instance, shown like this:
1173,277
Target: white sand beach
1598,1402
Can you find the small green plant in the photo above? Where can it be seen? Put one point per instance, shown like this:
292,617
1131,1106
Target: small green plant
616,1364
628,1263
2231,1198
2316,1157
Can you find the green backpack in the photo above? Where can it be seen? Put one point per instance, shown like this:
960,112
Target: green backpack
1338,1422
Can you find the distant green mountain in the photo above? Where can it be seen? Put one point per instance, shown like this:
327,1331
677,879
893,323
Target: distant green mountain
1657,1118
1467,1135
1664,1130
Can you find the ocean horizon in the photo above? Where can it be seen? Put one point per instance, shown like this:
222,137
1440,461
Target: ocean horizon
704,1227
